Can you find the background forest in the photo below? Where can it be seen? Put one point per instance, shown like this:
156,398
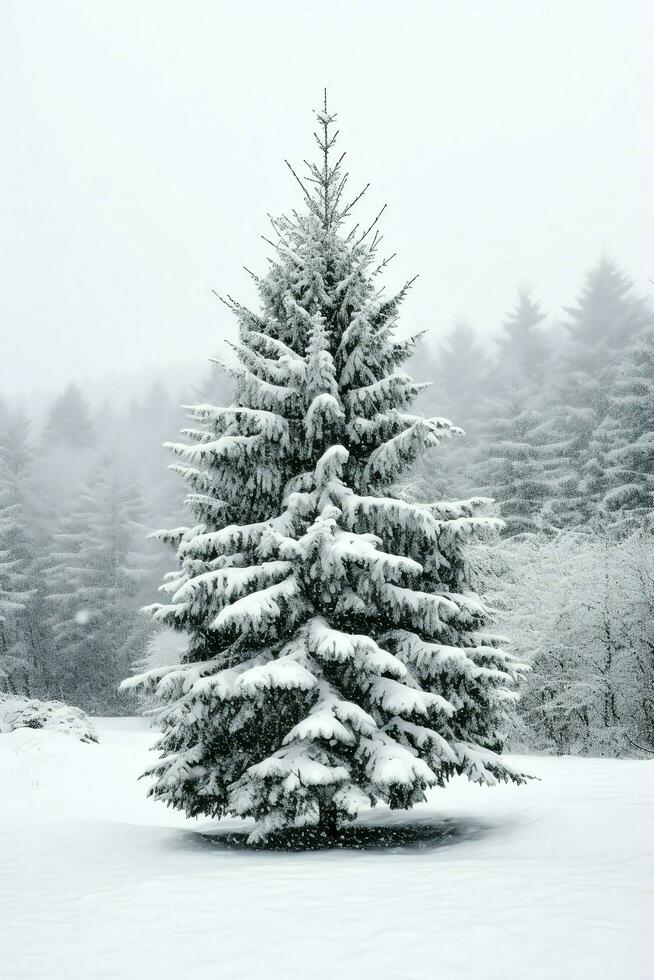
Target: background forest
558,416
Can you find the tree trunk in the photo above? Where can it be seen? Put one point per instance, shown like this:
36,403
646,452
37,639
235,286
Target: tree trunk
328,823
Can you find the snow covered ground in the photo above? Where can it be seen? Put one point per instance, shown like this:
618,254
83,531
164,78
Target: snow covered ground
553,880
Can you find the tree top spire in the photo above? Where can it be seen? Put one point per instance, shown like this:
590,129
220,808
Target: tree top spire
327,176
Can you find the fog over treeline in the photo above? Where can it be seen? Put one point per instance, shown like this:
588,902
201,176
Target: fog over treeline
510,143
558,414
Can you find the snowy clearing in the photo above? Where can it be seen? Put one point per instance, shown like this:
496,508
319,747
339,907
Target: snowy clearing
552,880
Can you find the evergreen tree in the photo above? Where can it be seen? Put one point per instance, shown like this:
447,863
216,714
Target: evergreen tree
97,631
69,419
461,374
605,321
22,639
335,649
606,317
522,346
629,473
147,425
458,380
14,669
65,454
510,459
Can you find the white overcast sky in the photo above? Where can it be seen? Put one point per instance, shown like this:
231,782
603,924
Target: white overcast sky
143,144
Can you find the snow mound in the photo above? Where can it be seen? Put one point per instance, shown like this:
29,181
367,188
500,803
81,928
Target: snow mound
20,712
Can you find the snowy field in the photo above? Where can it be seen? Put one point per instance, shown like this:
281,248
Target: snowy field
553,880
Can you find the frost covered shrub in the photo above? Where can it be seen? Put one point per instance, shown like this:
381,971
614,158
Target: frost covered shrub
580,608
19,712
337,654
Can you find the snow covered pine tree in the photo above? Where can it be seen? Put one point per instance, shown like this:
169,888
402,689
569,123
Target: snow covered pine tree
334,656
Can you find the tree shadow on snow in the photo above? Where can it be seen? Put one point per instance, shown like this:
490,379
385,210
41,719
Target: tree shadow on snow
400,838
